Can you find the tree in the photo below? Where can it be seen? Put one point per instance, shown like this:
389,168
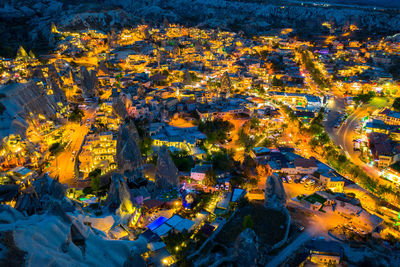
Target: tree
324,138
316,129
76,115
396,104
182,160
364,98
222,161
276,82
216,130
145,146
225,83
248,222
210,178
254,123
314,142
95,181
245,140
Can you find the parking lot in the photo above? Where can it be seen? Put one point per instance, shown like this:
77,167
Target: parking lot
296,188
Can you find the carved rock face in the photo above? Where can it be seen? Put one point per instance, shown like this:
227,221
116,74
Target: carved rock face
119,107
129,157
166,171
118,195
246,248
89,81
275,196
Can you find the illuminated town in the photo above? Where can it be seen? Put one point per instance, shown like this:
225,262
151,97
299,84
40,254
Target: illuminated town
161,144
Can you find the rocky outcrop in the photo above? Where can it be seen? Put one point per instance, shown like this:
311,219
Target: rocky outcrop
89,82
62,239
166,172
55,83
43,194
133,131
23,101
24,22
275,196
246,248
119,107
129,157
118,195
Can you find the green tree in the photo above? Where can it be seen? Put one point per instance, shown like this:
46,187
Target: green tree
324,138
222,161
145,146
210,178
276,82
245,140
225,82
182,159
254,123
248,222
76,115
95,181
396,104
215,130
364,98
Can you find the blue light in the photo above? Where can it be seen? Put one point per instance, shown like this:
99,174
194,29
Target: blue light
154,225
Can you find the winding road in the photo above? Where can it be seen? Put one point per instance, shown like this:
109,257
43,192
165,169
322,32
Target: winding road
344,136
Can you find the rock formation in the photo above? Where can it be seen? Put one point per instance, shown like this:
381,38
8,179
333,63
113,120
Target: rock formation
246,248
119,107
251,17
128,156
133,131
54,82
118,195
41,195
62,239
166,171
275,196
89,81
23,101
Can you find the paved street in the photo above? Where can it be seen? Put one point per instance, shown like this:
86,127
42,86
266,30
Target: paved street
316,225
344,135
63,166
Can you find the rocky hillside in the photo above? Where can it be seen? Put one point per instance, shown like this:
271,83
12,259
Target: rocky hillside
19,102
47,229
28,21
